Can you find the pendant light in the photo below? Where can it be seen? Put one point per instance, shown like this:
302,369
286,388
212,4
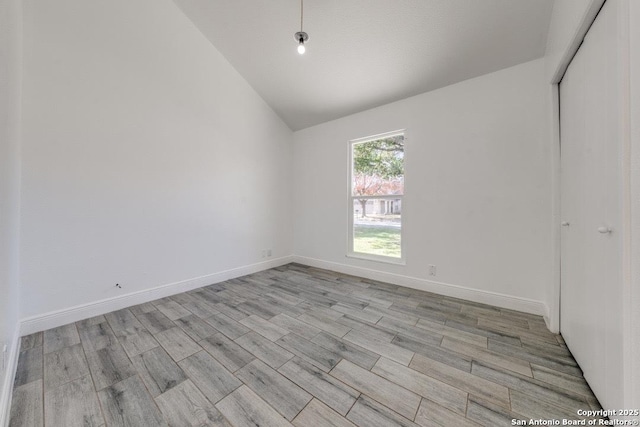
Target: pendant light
301,36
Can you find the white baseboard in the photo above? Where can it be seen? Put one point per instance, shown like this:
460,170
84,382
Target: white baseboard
10,374
551,325
73,314
455,291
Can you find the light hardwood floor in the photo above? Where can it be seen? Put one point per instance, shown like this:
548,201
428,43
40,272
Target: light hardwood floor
299,346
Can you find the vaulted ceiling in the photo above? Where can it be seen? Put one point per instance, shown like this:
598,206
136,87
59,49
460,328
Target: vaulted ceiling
366,53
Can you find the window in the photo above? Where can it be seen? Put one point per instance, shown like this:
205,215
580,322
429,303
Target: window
376,189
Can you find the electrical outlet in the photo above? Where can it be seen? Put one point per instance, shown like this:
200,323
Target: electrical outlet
264,253
432,270
268,252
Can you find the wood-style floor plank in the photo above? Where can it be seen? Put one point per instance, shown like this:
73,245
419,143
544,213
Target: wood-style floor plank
265,328
227,326
513,364
327,325
173,310
244,408
533,408
27,405
274,388
369,413
158,371
185,406
64,365
463,323
30,341
538,389
183,298
136,343
358,313
499,327
58,338
309,351
270,353
382,390
177,343
201,309
423,335
431,413
128,403
109,365
346,350
209,376
562,380
337,395
155,321
296,326
462,380
373,331
227,352
317,413
457,360
30,366
230,311
142,308
564,364
487,414
409,319
383,348
256,309
123,322
96,337
73,404
422,385
195,327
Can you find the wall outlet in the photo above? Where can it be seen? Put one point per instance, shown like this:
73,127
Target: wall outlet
268,252
432,270
264,253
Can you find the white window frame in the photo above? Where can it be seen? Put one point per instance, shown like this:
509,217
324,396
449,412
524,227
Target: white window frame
350,197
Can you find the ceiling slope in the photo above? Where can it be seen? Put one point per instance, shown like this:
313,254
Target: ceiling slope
366,53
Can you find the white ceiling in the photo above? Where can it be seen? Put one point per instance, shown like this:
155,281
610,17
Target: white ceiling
366,53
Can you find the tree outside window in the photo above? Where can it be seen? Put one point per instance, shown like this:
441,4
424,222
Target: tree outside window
377,189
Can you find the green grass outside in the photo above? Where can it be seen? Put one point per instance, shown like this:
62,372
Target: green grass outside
383,241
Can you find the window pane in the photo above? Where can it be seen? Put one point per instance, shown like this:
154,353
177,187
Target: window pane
378,167
376,226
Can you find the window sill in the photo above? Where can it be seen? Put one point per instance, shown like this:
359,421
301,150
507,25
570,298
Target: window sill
377,258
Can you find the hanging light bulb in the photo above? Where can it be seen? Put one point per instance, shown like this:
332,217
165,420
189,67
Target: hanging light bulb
301,36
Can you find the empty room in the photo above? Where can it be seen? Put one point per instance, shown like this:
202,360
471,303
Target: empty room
348,213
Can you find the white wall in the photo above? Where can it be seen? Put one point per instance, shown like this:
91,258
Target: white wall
147,159
632,333
10,51
478,185
570,20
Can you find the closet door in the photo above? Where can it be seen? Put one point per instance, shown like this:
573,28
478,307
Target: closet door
591,285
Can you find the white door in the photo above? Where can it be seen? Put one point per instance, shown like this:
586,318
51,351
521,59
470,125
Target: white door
591,283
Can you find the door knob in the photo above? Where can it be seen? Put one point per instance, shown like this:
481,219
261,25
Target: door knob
564,223
605,230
